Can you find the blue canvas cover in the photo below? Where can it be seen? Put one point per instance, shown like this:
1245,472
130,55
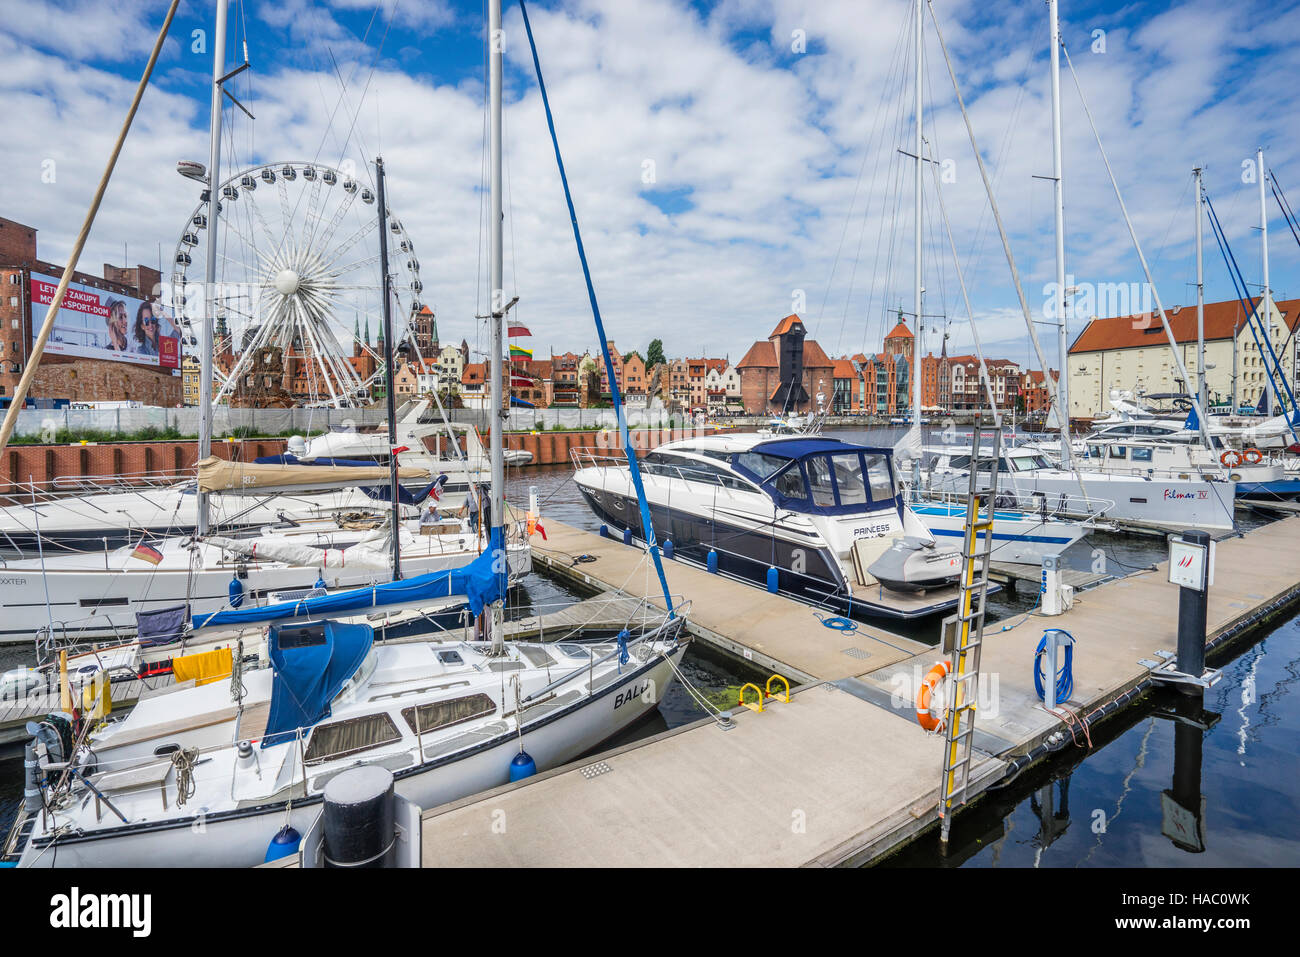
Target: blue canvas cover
476,581
310,672
161,626
288,459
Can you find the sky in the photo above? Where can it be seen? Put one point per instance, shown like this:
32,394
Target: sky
731,162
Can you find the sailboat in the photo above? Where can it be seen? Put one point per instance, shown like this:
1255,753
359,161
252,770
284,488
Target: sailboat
231,772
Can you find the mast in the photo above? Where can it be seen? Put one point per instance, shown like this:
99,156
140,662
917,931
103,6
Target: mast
1266,301
1062,381
210,263
390,379
917,291
495,269
1201,387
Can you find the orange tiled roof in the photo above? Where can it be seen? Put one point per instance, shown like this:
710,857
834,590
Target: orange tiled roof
899,331
784,325
1129,332
844,369
760,355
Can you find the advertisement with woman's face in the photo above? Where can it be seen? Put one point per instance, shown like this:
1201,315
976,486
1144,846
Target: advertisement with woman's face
99,324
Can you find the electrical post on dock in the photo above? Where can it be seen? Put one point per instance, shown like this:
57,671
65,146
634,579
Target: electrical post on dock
1191,567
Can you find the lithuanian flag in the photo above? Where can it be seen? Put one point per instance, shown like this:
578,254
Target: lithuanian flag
519,352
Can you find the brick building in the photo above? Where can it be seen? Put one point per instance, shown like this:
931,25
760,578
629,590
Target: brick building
72,377
785,372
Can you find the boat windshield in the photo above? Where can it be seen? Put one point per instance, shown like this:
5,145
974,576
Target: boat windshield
835,481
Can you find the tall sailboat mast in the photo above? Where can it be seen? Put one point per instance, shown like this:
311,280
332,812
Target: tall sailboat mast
1266,300
390,378
1063,379
917,291
206,345
1202,388
495,40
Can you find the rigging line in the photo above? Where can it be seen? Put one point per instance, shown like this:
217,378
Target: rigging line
374,62
329,126
1155,294
866,155
896,170
633,467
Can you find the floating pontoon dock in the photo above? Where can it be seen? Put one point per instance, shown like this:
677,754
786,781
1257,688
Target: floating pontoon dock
842,773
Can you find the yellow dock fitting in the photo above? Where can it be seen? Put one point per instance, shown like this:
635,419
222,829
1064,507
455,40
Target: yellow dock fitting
780,678
749,704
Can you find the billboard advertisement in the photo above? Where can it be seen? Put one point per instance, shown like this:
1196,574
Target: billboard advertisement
99,324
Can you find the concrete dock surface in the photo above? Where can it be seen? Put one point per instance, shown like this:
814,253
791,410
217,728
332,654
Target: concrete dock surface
842,773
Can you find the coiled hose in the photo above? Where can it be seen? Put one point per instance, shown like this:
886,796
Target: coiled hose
1064,677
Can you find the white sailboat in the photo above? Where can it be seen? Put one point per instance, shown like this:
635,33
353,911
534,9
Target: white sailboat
191,779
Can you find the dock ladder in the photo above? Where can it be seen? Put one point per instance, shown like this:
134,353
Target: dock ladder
966,628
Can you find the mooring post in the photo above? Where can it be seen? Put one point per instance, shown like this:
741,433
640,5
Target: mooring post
1193,595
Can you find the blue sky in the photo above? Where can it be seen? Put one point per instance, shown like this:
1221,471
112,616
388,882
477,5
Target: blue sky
768,131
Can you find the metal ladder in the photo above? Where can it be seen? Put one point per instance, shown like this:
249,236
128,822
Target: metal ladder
967,626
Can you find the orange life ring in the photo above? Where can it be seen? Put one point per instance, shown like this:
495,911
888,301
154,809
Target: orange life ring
1233,455
1258,456
925,693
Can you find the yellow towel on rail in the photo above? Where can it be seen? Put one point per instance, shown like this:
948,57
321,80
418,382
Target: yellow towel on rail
205,667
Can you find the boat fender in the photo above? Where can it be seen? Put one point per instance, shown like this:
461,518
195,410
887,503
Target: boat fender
320,582
286,841
668,549
713,562
773,579
236,592
925,696
623,657
522,766
627,536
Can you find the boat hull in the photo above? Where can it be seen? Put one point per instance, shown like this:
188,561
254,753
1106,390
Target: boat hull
239,838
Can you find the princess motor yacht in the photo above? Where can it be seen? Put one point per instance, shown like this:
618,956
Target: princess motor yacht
825,517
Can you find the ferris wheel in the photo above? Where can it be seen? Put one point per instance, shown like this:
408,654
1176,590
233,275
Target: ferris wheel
298,268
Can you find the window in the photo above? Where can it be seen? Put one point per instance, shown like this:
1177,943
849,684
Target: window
819,480
878,477
1118,452
1142,454
760,464
789,483
442,714
341,738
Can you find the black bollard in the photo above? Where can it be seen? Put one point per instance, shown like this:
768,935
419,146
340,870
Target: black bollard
358,824
1191,617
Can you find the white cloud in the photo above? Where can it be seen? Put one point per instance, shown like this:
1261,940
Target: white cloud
764,146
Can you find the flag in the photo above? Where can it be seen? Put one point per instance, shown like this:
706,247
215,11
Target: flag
436,491
518,331
1261,407
519,352
521,381
400,449
147,553
535,525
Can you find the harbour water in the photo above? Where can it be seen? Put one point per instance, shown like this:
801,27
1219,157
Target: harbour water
1104,806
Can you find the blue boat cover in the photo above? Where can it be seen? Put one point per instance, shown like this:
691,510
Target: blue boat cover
479,581
287,459
311,665
797,448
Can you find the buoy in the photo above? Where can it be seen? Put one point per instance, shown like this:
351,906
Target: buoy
773,579
522,766
925,696
668,549
236,592
713,562
286,841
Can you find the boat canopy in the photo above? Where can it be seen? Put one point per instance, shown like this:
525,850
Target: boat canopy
479,581
312,662
819,475
218,475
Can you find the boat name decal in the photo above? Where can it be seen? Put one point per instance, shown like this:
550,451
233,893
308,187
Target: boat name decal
634,692
1173,493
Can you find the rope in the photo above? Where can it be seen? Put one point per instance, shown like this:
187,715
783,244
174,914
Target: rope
183,761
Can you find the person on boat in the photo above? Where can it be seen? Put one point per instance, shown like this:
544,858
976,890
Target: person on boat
429,518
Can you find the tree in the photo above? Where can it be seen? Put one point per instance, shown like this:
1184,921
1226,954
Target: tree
654,354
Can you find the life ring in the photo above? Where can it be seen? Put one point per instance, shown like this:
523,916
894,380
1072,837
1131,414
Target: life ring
1231,458
1252,456
925,694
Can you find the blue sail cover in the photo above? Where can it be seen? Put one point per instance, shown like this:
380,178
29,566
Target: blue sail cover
311,664
477,581
288,459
